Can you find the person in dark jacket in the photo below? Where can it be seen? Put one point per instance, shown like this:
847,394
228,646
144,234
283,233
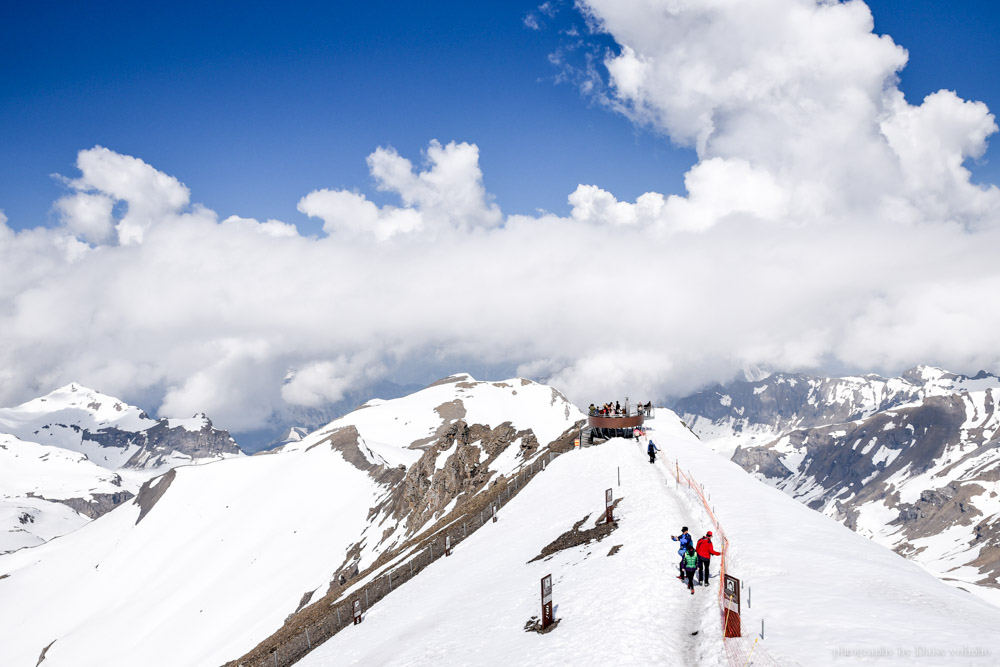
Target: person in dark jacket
705,551
686,541
651,450
690,562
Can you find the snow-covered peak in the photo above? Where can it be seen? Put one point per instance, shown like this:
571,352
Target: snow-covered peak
413,421
195,424
58,417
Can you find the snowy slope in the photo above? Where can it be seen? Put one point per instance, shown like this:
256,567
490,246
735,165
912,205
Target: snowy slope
415,420
76,453
221,554
33,478
829,596
221,558
627,608
911,462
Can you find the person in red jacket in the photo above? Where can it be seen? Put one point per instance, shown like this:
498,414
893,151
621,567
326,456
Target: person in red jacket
705,551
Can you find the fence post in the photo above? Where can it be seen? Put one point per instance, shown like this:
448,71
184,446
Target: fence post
389,577
432,552
366,598
276,656
338,617
411,567
308,639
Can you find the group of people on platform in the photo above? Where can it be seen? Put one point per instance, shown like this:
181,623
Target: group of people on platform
695,558
616,410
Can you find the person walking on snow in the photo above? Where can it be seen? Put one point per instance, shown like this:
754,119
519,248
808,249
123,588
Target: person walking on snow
686,541
651,450
690,561
705,550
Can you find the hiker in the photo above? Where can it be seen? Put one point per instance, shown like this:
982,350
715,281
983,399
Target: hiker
651,450
705,551
618,408
592,410
686,541
690,561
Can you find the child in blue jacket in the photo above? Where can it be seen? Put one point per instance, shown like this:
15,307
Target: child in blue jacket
686,541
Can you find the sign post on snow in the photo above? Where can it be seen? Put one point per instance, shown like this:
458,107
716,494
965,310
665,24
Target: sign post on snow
731,603
447,545
546,601
608,511
357,612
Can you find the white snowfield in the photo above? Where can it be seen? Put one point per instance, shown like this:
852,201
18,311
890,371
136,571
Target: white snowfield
214,567
827,595
59,417
44,458
227,552
33,475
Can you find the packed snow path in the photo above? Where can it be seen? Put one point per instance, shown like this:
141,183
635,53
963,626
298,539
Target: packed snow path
627,608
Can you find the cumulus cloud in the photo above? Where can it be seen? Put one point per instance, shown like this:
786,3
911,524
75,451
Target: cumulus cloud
447,195
827,222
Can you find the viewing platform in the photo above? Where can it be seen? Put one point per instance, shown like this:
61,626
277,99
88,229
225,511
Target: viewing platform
605,424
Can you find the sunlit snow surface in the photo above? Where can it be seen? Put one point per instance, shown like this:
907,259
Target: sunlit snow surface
227,552
827,595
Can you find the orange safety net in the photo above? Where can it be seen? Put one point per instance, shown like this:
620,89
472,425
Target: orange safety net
743,647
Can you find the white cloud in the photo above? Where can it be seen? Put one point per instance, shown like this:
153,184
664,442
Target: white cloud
447,195
826,221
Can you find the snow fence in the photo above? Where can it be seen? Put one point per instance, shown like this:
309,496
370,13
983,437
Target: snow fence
745,648
305,631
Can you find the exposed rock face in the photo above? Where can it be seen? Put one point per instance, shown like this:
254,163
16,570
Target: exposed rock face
160,442
98,503
902,460
152,491
427,489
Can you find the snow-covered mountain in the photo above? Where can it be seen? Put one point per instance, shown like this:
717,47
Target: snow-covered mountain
74,454
230,561
48,491
113,434
912,462
221,554
828,596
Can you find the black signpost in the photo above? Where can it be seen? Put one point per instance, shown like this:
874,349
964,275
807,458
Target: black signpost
357,612
546,601
731,603
608,512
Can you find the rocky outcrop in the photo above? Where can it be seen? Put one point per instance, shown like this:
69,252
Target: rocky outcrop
98,504
159,443
152,491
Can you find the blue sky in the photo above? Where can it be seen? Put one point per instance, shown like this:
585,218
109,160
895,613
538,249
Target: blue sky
253,105
351,161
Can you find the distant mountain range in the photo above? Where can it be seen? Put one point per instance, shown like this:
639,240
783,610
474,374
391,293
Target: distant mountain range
912,462
74,454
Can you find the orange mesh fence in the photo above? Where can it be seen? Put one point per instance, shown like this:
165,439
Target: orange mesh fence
746,649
